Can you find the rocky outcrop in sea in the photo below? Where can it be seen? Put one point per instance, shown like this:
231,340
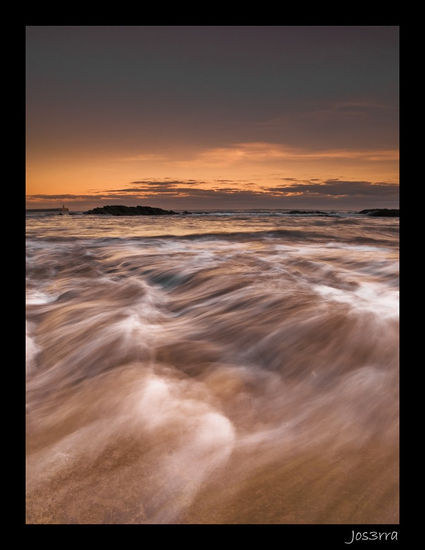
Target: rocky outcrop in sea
382,212
121,210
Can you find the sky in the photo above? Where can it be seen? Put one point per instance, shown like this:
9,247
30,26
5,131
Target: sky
212,117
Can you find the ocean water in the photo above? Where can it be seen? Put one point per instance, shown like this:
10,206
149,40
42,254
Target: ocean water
223,367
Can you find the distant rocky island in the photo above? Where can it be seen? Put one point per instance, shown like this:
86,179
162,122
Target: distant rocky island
120,210
382,212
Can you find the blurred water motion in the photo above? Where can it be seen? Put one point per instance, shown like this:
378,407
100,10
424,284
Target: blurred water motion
238,368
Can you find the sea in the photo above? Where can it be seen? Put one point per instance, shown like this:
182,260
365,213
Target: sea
217,367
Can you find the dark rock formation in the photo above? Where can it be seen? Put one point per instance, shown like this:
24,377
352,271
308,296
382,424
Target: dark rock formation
382,212
120,210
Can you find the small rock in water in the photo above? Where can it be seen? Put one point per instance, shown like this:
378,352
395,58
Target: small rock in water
382,212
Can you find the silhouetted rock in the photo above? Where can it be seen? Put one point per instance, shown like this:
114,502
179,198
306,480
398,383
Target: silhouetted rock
382,212
120,210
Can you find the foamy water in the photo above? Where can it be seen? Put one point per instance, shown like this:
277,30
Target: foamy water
238,368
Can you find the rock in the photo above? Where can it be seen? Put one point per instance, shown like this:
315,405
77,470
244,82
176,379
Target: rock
382,212
121,210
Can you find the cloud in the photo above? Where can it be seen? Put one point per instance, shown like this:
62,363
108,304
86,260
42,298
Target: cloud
340,188
342,112
166,183
265,152
145,187
293,192
127,190
67,196
157,185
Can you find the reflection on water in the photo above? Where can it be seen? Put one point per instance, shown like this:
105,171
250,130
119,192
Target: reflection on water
212,369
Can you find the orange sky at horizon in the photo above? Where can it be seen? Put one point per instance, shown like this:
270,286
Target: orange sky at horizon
256,165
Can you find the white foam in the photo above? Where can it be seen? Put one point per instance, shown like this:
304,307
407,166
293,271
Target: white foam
202,440
38,297
360,247
31,349
369,296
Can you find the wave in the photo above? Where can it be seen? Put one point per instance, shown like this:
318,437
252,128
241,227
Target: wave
249,377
